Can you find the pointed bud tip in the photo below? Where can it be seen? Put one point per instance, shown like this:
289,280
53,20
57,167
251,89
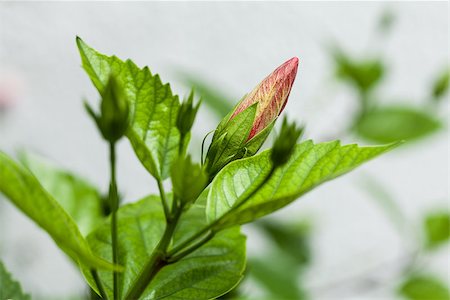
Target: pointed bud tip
291,64
294,60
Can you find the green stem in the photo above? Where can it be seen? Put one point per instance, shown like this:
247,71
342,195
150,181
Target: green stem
164,201
99,284
157,260
207,238
114,203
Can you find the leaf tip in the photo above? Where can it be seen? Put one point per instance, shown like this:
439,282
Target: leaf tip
79,41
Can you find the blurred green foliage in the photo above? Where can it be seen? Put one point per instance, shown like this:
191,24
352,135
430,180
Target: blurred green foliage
279,270
437,228
278,276
293,238
440,86
396,123
385,123
424,287
364,74
380,123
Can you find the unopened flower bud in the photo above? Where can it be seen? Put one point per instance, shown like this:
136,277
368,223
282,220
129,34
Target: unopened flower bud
114,111
185,120
244,130
285,143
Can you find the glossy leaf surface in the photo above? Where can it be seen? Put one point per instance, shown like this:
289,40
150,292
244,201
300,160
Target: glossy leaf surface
310,165
153,107
78,197
206,273
28,195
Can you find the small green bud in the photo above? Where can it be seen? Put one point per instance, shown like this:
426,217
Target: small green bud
285,143
188,179
186,114
114,111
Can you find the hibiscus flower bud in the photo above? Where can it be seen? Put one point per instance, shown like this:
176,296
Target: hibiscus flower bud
243,131
271,94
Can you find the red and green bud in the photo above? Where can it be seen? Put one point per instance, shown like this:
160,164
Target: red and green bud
271,95
244,130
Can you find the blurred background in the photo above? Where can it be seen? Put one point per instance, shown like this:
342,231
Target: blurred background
370,72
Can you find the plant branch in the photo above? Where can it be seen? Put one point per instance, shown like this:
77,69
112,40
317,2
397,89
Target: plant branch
114,204
158,258
207,238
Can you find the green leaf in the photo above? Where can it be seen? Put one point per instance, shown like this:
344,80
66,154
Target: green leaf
422,287
79,198
9,288
437,228
389,124
363,74
292,238
310,165
25,192
206,273
188,179
440,86
153,108
278,275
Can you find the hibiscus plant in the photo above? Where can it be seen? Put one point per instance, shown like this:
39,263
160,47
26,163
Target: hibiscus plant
185,243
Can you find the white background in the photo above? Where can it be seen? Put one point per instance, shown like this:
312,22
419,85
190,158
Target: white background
233,45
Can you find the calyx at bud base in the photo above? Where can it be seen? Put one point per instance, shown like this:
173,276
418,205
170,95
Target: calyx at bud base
243,131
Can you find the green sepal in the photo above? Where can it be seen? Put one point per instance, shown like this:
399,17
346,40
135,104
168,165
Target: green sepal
185,120
226,119
255,143
113,119
187,114
285,143
230,141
